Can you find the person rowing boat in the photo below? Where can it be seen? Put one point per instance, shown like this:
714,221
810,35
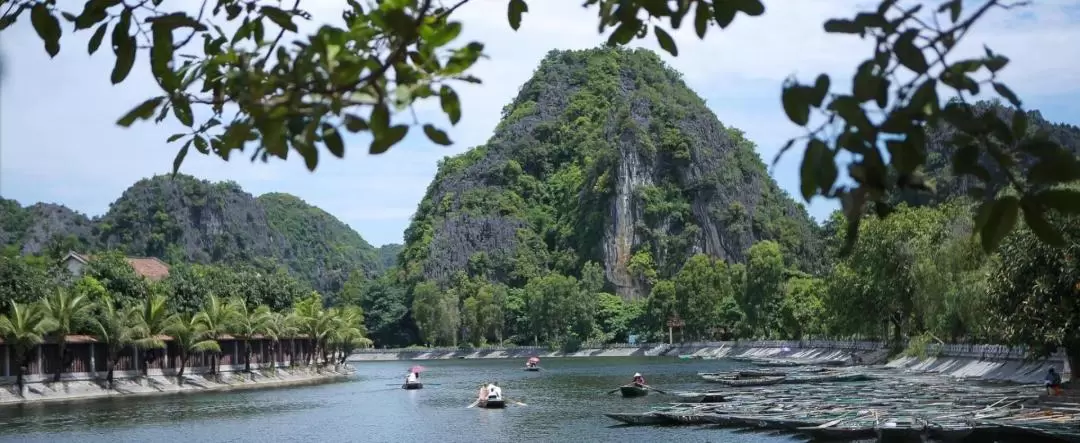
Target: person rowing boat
639,381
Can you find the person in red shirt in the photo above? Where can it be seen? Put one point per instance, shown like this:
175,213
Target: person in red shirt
638,379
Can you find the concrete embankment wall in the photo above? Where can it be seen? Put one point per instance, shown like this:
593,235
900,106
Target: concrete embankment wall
791,349
85,389
982,362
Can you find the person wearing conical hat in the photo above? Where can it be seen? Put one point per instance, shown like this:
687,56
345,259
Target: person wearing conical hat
638,379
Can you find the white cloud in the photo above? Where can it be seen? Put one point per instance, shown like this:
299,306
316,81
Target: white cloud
58,141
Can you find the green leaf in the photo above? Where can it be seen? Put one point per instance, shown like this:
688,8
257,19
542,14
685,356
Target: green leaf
179,160
444,34
384,140
161,55
965,161
1033,217
144,111
796,104
355,124
332,138
47,28
1066,201
451,105
95,40
818,170
1000,221
514,11
752,8
175,137
279,17
840,26
1007,94
624,33
436,135
701,19
821,89
723,13
380,117
125,59
1055,169
182,110
910,55
666,42
201,145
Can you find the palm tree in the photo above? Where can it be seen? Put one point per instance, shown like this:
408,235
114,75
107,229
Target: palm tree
279,326
150,319
68,311
113,327
216,319
247,325
190,336
23,329
348,332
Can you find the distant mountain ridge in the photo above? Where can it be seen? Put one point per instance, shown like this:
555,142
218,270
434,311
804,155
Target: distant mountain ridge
182,218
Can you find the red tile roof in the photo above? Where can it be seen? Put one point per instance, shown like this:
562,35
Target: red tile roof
149,267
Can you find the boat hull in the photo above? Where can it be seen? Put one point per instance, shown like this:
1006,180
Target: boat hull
410,386
633,391
491,404
533,369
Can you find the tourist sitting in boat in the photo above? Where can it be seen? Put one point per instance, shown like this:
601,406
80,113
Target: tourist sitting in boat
494,392
638,379
1053,382
411,378
483,392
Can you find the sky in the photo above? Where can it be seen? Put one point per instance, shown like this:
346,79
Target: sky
59,142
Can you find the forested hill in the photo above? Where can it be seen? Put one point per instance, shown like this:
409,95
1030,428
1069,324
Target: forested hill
606,156
948,186
184,219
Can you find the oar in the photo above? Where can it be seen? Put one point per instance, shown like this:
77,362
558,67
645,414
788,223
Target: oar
516,402
654,389
473,404
614,390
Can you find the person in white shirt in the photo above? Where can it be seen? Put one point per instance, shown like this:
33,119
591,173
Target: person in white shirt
494,392
411,378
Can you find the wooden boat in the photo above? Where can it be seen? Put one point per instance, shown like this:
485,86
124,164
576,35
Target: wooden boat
633,391
491,404
898,430
755,381
412,385
835,377
532,368
639,419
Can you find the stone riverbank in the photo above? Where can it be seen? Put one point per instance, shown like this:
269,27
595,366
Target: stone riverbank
71,390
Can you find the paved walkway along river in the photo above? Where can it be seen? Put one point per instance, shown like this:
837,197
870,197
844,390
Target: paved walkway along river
565,403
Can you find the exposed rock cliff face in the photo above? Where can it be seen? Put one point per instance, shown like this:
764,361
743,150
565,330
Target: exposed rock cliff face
605,155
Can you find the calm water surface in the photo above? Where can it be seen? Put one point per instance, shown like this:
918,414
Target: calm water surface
565,402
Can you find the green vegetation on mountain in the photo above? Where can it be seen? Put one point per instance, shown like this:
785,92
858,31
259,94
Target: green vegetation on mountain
604,156
321,248
184,220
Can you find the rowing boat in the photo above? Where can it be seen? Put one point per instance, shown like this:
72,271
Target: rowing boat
633,391
532,368
491,404
412,385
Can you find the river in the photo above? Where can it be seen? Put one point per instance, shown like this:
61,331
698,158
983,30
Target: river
564,403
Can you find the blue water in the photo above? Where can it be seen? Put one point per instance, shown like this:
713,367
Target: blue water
565,402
